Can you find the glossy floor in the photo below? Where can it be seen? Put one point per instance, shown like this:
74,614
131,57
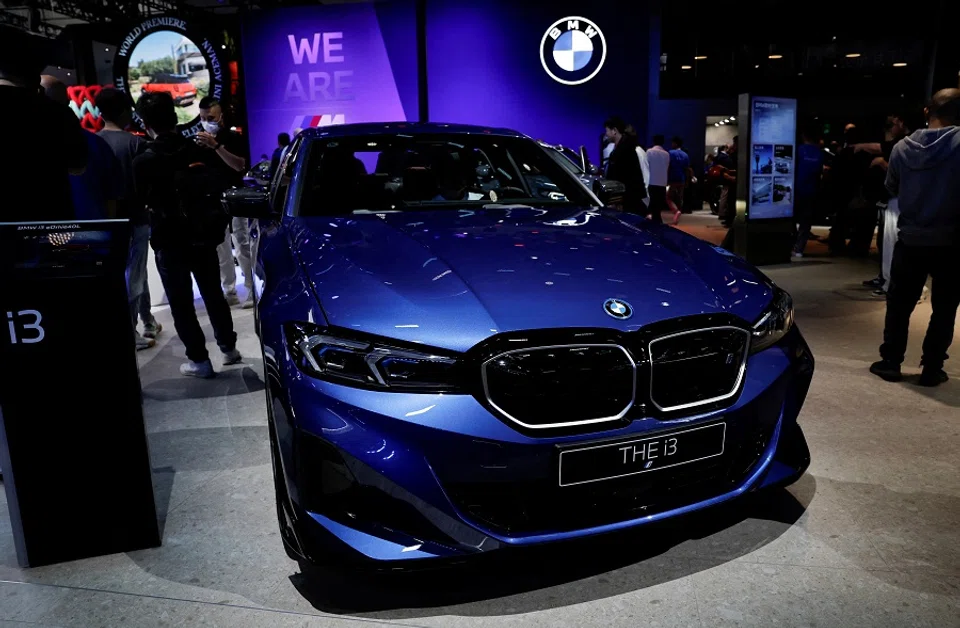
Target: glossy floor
869,537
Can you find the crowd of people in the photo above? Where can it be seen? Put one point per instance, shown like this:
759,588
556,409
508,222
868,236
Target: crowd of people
167,185
907,185
655,179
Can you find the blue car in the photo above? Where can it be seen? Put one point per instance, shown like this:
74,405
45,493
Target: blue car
465,351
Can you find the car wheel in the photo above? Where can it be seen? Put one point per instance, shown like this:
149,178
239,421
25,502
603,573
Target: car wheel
287,533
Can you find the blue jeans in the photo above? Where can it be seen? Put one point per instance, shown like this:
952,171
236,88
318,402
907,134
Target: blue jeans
137,285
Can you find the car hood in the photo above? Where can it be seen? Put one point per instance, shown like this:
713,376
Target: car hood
450,278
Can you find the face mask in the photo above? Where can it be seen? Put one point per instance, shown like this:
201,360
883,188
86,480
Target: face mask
210,127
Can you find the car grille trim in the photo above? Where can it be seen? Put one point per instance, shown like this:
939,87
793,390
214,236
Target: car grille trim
703,402
591,421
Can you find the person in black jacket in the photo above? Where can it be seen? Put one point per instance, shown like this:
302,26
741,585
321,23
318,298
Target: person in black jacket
185,232
624,166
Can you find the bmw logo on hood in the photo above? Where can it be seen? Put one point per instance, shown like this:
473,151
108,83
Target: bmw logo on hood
620,310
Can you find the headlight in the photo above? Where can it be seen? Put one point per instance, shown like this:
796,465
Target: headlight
775,322
354,360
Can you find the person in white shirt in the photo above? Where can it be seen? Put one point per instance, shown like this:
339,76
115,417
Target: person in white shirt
644,164
658,163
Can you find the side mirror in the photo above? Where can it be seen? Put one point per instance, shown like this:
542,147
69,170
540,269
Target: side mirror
247,203
609,191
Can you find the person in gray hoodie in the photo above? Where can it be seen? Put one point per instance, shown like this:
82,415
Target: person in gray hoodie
924,173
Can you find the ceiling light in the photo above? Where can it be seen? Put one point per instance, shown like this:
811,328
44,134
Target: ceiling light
716,124
686,67
775,57
756,67
853,55
733,117
700,58
900,64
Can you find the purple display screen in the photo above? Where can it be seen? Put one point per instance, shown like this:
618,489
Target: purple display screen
315,66
554,71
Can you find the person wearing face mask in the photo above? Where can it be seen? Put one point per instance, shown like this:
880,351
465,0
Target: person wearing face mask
225,151
182,194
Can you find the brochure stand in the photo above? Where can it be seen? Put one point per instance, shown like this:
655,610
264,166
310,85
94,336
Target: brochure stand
73,448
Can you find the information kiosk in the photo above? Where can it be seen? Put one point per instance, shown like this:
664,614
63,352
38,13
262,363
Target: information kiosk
764,230
73,448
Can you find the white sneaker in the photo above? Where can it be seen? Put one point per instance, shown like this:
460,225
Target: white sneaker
249,302
203,370
232,298
797,254
141,342
232,357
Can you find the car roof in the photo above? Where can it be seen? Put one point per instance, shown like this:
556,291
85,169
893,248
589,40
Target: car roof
412,128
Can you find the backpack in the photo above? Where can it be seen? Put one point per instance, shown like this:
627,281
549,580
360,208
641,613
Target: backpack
198,188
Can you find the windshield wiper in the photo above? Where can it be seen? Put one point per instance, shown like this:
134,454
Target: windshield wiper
506,206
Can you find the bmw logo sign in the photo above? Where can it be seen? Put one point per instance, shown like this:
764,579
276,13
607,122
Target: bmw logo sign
573,50
620,310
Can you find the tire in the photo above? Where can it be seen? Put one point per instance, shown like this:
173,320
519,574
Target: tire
287,533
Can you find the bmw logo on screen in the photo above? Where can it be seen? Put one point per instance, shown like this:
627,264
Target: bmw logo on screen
573,50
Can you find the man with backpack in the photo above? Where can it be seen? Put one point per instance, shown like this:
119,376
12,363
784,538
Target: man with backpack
187,223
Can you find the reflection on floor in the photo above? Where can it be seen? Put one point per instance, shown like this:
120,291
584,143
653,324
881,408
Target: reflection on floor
869,537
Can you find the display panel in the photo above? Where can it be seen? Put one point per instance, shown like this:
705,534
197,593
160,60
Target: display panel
554,71
165,54
773,132
314,66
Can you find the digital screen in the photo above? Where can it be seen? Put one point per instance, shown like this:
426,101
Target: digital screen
313,66
771,159
77,249
170,62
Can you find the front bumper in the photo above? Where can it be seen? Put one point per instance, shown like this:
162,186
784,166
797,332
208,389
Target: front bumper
400,478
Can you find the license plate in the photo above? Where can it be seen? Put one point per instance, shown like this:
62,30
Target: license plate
620,459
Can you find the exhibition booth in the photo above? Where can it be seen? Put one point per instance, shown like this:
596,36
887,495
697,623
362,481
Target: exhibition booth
551,72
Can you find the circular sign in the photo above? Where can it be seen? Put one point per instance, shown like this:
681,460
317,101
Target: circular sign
164,55
573,50
620,310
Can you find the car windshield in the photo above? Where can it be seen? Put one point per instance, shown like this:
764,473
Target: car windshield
171,79
395,172
570,154
563,159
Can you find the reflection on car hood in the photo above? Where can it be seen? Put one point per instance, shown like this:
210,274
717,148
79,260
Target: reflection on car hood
451,278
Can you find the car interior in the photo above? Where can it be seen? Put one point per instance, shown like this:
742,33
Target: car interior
371,175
